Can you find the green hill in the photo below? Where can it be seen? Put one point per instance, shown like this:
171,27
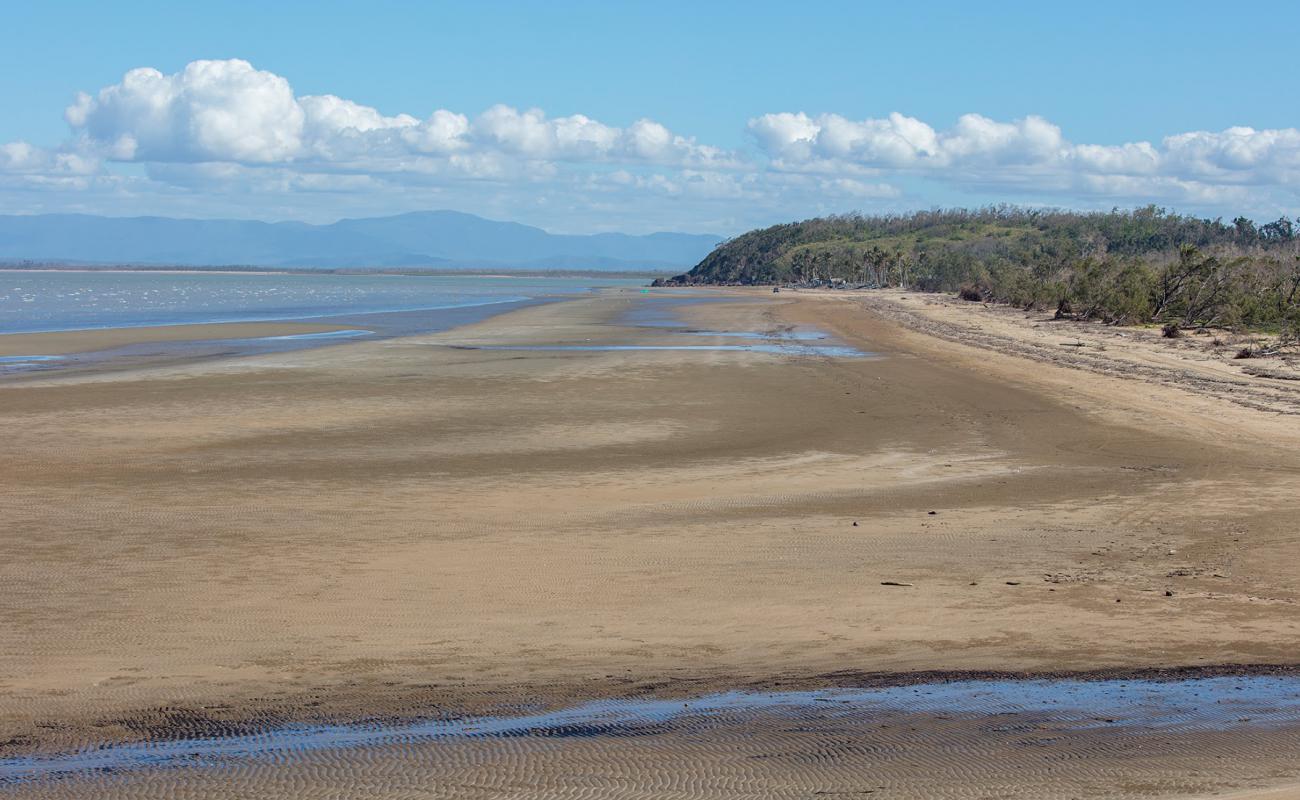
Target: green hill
1121,266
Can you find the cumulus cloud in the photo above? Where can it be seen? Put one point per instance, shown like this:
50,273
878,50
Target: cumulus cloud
210,111
229,111
227,128
1029,152
902,142
21,158
27,168
443,132
1237,154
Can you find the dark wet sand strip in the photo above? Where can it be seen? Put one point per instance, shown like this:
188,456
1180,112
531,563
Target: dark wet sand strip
87,341
117,349
1041,738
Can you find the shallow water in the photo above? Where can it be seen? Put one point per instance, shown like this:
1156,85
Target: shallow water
1125,709
10,365
788,349
372,306
661,314
793,336
45,300
351,333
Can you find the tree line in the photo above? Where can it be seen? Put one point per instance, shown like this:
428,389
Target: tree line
1124,266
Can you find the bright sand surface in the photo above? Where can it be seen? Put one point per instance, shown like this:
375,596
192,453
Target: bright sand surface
376,528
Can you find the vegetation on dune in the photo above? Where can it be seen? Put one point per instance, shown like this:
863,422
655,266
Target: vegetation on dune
1141,266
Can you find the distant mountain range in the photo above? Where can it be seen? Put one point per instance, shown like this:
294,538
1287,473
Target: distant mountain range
440,239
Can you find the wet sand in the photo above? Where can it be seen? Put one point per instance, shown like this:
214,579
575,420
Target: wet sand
400,528
97,352
89,341
1054,738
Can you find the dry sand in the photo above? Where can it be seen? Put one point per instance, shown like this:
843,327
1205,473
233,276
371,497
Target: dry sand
378,528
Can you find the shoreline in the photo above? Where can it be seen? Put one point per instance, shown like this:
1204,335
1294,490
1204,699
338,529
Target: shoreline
1176,722
103,347
175,722
165,328
301,318
147,271
91,340
413,272
1090,693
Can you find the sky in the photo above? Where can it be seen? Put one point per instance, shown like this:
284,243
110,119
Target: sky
630,116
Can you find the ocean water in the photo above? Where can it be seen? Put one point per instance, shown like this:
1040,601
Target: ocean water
34,301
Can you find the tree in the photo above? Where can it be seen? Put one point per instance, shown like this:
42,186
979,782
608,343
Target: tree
1280,230
1247,234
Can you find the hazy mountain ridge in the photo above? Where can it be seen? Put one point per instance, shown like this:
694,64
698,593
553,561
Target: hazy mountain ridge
426,238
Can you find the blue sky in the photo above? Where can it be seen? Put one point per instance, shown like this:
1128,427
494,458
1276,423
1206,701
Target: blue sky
644,116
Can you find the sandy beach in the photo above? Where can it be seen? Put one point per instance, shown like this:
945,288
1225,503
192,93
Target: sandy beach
377,529
89,341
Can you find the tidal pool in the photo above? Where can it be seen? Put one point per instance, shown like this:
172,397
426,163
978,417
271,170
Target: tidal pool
776,348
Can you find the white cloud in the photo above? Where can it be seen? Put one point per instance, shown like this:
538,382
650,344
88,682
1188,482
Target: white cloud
21,158
210,111
1237,154
1028,153
443,132
579,138
1138,158
228,111
902,142
327,115
225,134
861,189
976,139
785,134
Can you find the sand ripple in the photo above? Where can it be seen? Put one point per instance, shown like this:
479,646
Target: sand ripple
965,739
